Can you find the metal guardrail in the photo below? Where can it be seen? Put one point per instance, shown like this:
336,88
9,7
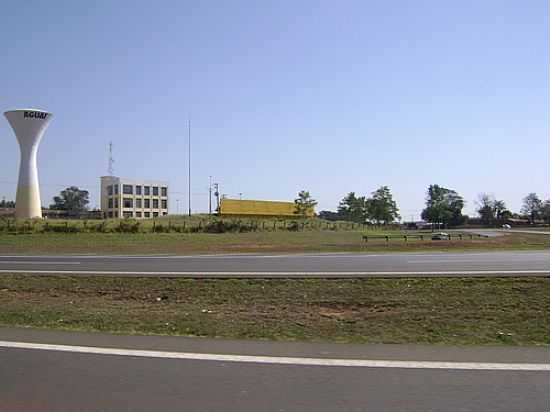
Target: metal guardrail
428,236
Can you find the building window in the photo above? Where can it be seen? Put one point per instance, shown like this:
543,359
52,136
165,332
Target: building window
115,214
109,190
147,204
146,190
147,214
155,203
138,203
116,202
128,203
164,191
127,189
164,213
165,204
155,214
116,189
138,190
155,191
110,203
110,214
128,214
138,214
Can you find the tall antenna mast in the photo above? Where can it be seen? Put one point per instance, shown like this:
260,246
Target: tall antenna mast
110,168
189,171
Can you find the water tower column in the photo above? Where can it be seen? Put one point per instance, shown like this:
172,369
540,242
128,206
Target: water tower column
29,126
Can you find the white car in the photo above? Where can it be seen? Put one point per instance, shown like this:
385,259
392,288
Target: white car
506,226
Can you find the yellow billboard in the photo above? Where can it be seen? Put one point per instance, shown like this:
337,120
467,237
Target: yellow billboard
233,207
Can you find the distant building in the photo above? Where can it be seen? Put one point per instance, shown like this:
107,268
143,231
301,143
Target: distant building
7,212
233,207
139,199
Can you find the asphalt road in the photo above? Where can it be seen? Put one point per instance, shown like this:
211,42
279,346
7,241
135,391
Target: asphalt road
532,263
56,380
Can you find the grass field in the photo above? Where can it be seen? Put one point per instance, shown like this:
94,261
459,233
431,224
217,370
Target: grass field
262,242
438,311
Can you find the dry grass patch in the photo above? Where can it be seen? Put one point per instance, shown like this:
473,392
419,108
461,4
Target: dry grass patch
442,311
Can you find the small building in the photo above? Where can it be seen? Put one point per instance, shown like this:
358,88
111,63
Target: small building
138,199
259,208
7,212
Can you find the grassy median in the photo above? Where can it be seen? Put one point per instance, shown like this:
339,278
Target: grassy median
256,242
436,310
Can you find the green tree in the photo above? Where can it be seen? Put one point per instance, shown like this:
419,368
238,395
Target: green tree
490,210
353,208
328,215
501,211
443,206
532,207
545,212
7,203
305,204
72,199
381,207
486,209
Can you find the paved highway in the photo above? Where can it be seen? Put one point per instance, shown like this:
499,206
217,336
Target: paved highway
532,263
176,374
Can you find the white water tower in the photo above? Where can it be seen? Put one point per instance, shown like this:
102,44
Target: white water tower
29,125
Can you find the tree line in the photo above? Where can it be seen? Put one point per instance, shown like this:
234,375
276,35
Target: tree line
72,199
443,206
378,208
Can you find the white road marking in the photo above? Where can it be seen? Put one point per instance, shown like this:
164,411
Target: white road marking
424,261
443,261
283,360
35,262
282,274
357,255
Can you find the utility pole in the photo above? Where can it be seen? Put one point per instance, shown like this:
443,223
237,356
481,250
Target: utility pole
189,171
210,195
217,194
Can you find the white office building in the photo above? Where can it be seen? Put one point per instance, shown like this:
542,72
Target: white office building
138,199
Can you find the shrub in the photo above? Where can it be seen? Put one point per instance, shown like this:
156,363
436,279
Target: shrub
128,226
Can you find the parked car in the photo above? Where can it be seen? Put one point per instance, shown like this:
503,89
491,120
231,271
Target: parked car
506,226
440,236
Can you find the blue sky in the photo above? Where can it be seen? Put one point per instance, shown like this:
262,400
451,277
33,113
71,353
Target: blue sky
326,96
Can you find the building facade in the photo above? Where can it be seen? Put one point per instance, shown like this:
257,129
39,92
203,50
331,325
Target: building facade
138,199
